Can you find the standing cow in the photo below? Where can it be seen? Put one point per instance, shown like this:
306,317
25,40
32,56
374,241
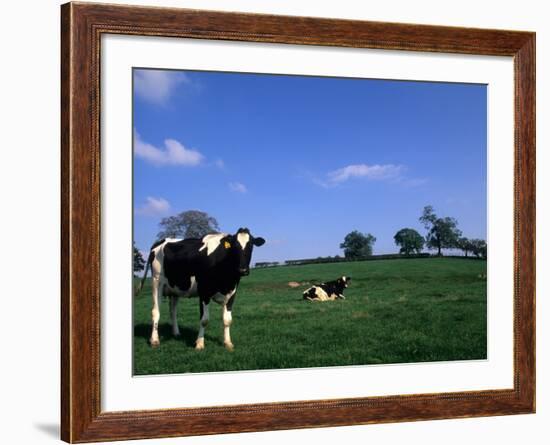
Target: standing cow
210,268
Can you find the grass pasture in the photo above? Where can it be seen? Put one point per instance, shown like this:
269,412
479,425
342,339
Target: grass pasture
396,311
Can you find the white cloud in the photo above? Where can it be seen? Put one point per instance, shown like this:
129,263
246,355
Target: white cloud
237,187
154,207
392,173
219,163
173,153
156,86
373,172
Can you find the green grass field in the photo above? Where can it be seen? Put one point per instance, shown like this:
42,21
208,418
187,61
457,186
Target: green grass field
396,311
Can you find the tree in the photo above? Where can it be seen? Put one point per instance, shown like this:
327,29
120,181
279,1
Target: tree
139,262
443,233
409,240
465,244
479,248
357,245
188,224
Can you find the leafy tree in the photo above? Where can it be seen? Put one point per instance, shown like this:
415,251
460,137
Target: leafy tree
357,245
139,262
466,245
479,248
443,233
409,240
188,224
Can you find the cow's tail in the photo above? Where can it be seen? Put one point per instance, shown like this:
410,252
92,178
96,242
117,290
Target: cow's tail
147,267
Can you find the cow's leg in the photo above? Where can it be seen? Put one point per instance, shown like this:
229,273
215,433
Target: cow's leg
227,319
174,316
199,344
155,312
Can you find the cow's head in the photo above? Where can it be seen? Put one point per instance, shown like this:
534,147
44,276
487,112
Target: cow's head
241,245
344,281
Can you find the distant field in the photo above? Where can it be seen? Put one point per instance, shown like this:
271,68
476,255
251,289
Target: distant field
396,311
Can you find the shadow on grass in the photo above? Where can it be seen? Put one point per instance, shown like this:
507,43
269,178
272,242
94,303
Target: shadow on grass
188,335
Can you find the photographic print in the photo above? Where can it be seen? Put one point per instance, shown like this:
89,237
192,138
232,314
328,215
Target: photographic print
295,211
287,221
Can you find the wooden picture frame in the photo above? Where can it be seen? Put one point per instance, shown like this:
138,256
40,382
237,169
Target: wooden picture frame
82,26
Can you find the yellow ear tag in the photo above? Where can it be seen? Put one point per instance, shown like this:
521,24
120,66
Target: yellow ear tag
226,245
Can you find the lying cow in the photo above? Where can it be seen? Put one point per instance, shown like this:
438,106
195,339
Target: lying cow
210,268
332,290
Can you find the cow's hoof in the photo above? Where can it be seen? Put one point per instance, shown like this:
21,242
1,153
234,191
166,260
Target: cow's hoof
155,344
176,334
199,345
229,346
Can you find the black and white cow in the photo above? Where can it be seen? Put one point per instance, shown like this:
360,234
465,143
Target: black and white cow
331,290
210,268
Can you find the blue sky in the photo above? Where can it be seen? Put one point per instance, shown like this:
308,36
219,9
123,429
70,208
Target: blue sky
302,161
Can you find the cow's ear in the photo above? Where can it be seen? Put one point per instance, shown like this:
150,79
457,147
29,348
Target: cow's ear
228,241
258,241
